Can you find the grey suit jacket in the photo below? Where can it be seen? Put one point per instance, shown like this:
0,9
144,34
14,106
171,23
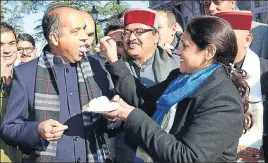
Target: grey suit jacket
260,39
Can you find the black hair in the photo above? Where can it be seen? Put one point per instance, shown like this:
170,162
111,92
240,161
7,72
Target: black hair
211,30
5,27
26,37
113,27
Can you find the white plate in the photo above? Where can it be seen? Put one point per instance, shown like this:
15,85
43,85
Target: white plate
104,108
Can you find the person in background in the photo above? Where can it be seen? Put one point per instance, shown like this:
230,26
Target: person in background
146,60
115,31
259,43
169,37
8,56
26,47
90,50
46,111
89,30
250,148
199,112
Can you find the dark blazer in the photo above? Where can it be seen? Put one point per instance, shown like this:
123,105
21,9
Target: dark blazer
19,126
207,125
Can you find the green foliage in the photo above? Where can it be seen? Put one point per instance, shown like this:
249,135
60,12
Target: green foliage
14,19
13,12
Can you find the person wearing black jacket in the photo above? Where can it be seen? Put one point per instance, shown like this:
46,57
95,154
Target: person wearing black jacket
199,112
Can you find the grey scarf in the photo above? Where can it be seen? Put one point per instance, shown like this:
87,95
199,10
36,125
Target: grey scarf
163,64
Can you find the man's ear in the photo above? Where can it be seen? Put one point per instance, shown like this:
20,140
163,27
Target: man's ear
249,39
210,52
174,29
54,39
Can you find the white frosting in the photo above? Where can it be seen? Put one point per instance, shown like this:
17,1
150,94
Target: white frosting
101,105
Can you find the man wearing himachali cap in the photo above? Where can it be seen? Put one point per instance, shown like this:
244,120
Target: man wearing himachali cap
259,30
148,62
250,144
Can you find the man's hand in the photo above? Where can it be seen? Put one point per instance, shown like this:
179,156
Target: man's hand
51,129
108,45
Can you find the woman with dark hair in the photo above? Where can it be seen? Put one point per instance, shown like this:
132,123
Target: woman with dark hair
199,112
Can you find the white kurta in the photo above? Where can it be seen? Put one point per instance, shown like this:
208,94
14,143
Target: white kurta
252,140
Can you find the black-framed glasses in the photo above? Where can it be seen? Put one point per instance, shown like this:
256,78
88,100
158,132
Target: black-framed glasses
27,49
137,32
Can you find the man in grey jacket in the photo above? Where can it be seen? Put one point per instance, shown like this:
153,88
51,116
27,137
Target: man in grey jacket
259,44
148,62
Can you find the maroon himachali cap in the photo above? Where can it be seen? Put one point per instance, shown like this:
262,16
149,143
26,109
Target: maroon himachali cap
239,20
143,16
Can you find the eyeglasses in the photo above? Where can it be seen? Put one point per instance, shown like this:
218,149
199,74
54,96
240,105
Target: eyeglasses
137,32
27,49
119,44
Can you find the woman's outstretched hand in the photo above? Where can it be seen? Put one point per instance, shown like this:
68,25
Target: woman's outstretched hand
121,113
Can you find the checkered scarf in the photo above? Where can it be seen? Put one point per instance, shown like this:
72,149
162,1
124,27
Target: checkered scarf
47,106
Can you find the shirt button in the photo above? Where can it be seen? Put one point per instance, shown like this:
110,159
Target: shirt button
73,114
70,93
76,138
142,69
79,160
67,70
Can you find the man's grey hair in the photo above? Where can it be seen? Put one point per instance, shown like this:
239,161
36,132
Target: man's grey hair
51,22
170,17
